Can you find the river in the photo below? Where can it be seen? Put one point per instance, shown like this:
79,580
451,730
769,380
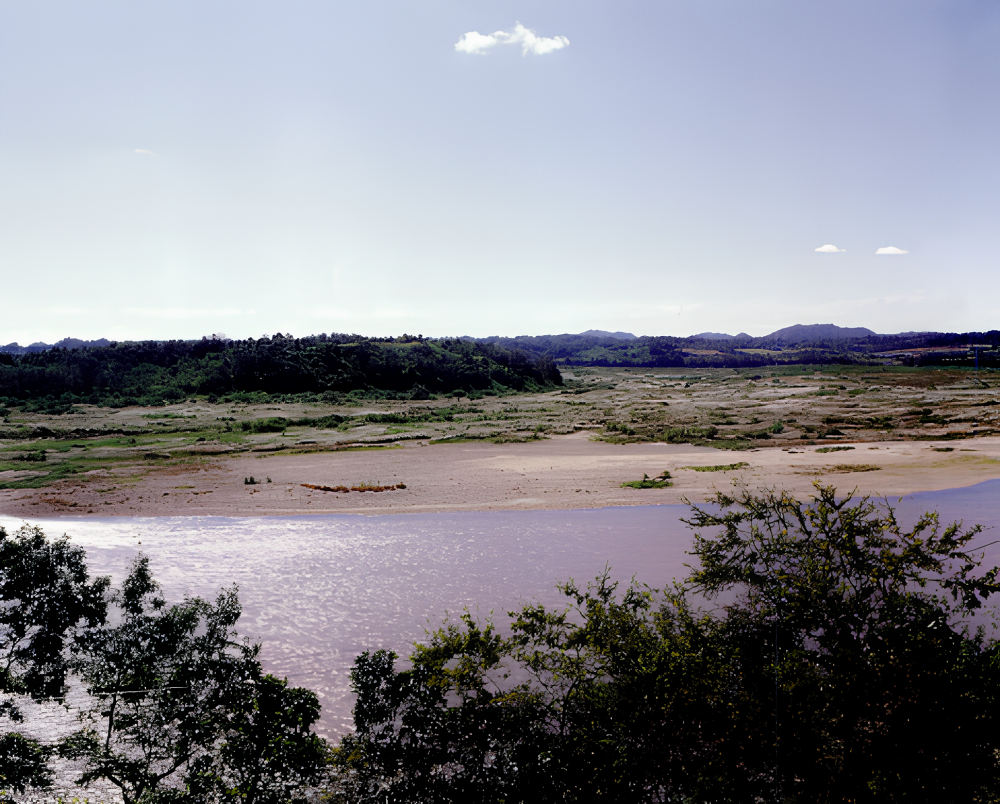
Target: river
318,590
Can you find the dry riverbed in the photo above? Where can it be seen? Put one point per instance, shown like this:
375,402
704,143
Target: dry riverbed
890,431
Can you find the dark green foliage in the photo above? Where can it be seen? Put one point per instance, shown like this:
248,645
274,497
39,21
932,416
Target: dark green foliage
183,710
269,754
579,704
699,352
841,670
596,350
318,368
883,694
23,763
46,600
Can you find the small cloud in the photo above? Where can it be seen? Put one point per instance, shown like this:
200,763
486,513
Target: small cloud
829,248
891,250
144,152
476,43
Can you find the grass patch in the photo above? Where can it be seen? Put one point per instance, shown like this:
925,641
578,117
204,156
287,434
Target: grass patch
833,449
722,467
647,482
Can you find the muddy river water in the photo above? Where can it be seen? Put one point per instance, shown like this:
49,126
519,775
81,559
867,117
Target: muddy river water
317,591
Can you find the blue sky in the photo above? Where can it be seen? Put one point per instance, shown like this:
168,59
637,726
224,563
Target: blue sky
172,169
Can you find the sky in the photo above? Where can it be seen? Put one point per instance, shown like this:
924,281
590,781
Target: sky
172,169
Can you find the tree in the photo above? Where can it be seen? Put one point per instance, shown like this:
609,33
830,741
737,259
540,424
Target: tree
47,600
590,702
183,711
844,667
23,763
268,754
886,690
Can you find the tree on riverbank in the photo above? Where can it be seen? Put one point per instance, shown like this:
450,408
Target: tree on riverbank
47,603
180,707
847,667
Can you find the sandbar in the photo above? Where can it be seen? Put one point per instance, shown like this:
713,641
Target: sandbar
561,472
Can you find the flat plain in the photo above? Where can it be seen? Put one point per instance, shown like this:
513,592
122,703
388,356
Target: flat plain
886,429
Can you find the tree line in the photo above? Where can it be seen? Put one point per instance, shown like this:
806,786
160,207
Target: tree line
818,651
702,352
323,366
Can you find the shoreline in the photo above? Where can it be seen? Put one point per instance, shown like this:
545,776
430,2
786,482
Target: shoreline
566,472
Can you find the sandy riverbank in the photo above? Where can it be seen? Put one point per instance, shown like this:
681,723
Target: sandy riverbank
562,472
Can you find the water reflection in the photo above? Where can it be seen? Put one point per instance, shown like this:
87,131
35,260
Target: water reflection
319,590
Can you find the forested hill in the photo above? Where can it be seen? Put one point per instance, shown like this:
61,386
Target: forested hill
811,344
153,372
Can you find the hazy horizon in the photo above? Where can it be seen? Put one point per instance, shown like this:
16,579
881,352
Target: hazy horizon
226,336
172,169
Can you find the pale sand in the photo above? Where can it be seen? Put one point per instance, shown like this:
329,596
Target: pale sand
569,471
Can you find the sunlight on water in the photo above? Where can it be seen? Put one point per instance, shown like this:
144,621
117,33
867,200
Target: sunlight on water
317,591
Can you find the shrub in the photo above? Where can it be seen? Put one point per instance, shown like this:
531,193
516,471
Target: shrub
272,424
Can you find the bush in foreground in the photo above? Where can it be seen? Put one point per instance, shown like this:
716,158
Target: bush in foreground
181,710
845,669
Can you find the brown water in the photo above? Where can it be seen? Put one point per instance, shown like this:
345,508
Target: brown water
319,590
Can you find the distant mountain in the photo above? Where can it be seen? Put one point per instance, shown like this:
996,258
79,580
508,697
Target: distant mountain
603,333
809,333
718,336
65,343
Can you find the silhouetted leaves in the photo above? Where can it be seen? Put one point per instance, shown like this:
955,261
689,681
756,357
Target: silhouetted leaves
840,669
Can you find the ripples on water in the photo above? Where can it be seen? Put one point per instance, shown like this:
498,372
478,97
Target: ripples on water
316,591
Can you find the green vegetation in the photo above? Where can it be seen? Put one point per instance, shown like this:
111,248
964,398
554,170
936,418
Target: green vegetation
722,467
661,481
693,435
833,449
843,667
851,662
781,353
318,368
181,710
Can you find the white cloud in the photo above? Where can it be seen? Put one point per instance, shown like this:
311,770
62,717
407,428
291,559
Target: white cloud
891,250
829,248
474,42
144,152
